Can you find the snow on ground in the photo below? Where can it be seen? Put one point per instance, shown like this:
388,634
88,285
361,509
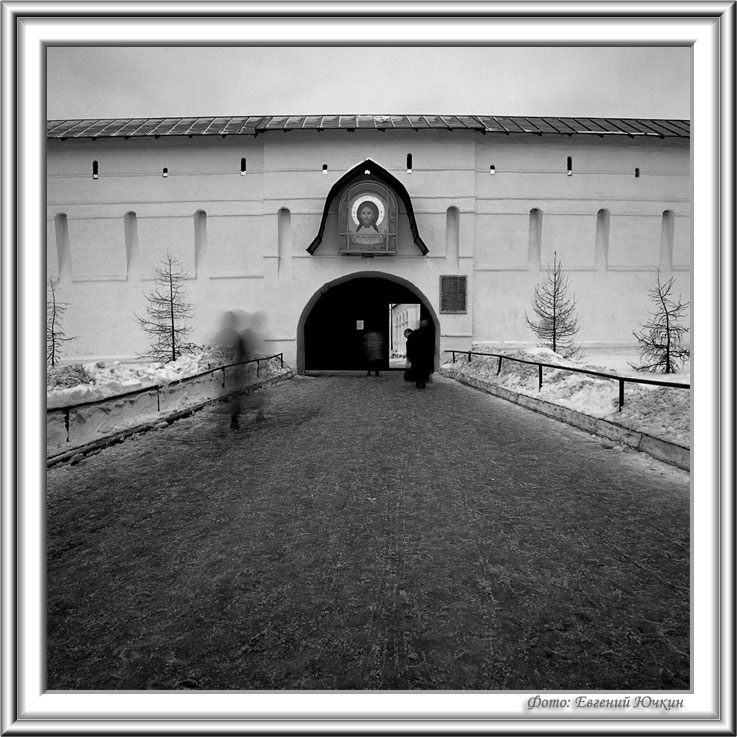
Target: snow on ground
86,382
658,411
662,412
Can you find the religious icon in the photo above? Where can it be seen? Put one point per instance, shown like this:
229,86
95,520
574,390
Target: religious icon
368,214
369,217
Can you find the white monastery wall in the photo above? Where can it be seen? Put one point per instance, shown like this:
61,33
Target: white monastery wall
242,237
610,269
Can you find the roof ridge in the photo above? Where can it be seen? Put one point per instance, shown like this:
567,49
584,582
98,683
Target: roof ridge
227,125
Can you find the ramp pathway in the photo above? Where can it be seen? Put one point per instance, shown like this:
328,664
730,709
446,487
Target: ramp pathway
368,535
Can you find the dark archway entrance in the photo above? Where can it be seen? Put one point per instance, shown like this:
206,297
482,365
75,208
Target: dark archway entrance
332,337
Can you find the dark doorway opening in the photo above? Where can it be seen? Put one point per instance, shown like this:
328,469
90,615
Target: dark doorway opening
335,328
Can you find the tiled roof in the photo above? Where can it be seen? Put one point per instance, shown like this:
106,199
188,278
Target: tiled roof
254,125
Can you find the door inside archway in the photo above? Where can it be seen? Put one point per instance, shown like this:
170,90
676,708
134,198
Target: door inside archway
336,325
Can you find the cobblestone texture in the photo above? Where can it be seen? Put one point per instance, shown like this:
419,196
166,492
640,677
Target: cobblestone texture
368,535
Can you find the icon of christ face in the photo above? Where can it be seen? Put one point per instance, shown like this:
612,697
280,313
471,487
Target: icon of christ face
367,214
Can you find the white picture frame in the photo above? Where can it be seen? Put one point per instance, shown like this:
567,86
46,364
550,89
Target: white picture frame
28,28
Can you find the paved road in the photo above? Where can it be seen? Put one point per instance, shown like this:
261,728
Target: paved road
368,535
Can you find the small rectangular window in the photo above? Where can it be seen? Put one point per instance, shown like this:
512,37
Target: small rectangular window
453,294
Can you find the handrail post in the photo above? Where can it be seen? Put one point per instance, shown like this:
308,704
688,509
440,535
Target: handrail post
469,356
258,366
539,376
621,395
499,367
223,377
454,356
281,358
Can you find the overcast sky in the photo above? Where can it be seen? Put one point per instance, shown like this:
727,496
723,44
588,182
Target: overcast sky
110,82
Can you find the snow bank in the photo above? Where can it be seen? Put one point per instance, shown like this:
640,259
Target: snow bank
87,382
158,390
663,412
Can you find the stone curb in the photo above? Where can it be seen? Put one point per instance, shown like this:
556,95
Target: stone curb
671,453
80,451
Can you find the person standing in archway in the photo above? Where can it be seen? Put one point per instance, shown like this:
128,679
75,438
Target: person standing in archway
421,353
373,347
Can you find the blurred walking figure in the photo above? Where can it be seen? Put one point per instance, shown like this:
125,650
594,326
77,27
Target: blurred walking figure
240,339
232,345
421,353
254,333
373,349
253,329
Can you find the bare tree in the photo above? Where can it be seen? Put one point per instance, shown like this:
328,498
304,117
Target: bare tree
661,339
168,313
55,337
557,323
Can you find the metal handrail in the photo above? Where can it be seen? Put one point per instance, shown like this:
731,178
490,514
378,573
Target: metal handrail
157,387
540,364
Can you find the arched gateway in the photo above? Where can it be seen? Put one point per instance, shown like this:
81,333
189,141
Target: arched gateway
333,322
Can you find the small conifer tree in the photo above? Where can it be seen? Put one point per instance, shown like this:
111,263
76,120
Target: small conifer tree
55,337
168,313
661,339
556,323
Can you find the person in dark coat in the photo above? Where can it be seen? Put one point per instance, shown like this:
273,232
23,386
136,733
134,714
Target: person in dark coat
373,349
421,353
